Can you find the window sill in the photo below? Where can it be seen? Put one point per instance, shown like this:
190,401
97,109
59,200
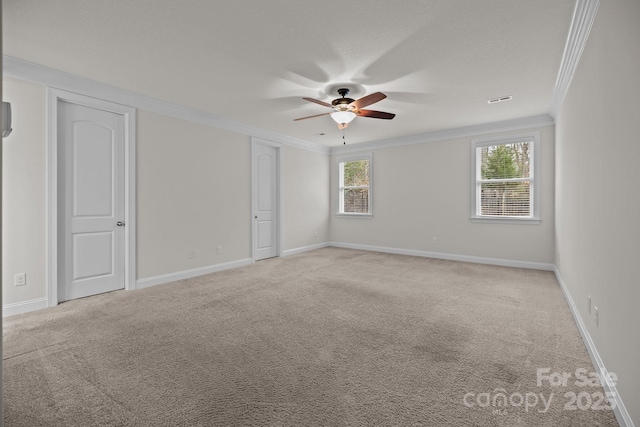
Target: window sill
354,215
505,220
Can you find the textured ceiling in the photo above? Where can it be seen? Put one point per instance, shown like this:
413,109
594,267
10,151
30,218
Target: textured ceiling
252,61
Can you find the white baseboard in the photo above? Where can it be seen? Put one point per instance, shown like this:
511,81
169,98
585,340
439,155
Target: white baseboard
187,274
23,307
452,257
620,411
302,249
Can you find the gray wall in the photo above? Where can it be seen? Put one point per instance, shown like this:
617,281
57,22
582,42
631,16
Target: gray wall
23,192
194,193
306,197
597,196
423,191
193,189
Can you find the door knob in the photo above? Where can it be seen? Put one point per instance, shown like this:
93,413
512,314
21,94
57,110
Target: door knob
119,223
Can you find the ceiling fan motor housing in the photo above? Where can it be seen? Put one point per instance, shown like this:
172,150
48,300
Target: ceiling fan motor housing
342,103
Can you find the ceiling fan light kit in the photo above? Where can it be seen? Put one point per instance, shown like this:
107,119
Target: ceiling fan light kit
343,116
346,109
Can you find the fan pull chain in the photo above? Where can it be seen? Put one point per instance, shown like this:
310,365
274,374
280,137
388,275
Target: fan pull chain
343,141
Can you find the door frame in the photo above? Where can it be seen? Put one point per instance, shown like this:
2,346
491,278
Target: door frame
54,96
254,194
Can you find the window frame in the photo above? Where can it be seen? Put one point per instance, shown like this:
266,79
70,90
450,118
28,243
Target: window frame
535,190
340,186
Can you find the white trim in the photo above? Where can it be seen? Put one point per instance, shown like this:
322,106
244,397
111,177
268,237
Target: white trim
187,274
18,68
584,15
52,201
23,307
535,184
505,220
452,257
53,97
445,135
302,249
279,196
355,215
620,411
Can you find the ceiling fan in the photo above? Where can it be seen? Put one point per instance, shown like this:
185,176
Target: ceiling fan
347,109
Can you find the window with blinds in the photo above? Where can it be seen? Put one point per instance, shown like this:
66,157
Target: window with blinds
505,180
354,177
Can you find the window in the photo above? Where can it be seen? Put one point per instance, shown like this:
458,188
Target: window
506,178
354,186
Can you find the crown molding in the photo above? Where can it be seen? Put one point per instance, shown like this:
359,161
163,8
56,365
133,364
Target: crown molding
584,15
18,68
24,70
444,135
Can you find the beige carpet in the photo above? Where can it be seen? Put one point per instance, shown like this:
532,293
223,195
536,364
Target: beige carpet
332,337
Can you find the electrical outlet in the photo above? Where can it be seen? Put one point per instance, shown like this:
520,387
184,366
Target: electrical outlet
191,254
219,250
589,302
595,314
435,240
20,279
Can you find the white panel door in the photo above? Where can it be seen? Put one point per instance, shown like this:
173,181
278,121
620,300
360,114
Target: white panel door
265,202
91,178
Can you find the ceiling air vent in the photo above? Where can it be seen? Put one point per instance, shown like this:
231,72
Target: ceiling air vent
501,99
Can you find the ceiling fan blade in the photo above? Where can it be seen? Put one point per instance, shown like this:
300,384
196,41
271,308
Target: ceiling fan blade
368,100
317,101
343,125
376,114
311,117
